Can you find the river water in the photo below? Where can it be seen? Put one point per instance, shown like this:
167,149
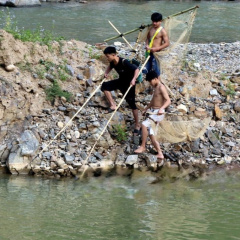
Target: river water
119,208
215,21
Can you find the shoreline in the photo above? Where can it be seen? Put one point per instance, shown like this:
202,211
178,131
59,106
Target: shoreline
40,121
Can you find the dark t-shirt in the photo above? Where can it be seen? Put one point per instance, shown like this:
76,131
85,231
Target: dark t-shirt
124,69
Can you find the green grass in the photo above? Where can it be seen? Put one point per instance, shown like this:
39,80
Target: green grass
55,91
25,67
230,90
120,132
62,75
40,71
94,53
58,71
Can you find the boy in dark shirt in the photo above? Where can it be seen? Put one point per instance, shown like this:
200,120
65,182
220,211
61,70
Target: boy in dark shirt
127,76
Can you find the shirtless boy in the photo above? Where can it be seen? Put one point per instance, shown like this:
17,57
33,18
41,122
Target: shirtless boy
160,42
160,100
128,74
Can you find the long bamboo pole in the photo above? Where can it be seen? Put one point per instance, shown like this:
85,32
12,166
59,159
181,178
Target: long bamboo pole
70,119
143,26
126,33
184,11
85,161
122,36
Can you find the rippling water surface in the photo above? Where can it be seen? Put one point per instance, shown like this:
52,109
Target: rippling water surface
215,21
119,208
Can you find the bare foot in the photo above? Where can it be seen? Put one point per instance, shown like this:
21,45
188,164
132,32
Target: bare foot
160,162
113,106
160,156
140,150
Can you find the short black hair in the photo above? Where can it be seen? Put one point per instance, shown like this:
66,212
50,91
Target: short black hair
151,75
156,17
110,50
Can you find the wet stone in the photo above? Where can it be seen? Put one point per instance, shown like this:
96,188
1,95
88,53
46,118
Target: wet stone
131,159
151,159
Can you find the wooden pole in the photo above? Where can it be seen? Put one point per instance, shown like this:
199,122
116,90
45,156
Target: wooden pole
126,33
179,13
122,36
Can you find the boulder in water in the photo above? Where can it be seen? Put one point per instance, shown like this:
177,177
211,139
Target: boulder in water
20,3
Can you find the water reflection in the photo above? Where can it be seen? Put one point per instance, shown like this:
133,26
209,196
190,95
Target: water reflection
119,208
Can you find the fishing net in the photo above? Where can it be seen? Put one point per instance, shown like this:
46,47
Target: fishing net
180,130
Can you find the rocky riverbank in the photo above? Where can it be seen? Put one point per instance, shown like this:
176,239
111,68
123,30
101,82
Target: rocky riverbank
206,84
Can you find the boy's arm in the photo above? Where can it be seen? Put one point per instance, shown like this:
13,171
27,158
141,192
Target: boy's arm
131,67
165,39
133,82
146,108
166,98
107,71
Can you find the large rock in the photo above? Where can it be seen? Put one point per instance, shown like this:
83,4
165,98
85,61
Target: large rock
20,3
18,164
29,143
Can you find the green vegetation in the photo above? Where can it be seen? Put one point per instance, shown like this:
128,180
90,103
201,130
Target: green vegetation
40,71
223,76
230,90
47,64
56,91
93,52
58,71
44,37
62,75
120,132
25,67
